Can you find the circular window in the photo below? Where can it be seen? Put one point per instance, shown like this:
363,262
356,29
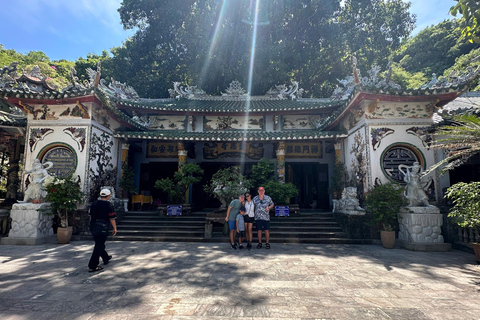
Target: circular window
396,155
64,161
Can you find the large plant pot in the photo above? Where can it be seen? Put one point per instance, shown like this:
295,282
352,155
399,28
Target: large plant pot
388,239
476,249
64,235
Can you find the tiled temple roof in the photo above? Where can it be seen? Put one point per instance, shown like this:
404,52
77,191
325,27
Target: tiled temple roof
228,106
251,135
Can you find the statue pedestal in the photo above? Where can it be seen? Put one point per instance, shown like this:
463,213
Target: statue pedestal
29,225
420,229
216,216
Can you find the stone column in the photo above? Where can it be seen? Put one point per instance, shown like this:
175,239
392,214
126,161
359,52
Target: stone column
30,225
281,161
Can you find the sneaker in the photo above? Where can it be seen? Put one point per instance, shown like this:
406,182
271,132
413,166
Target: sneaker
259,246
234,246
240,246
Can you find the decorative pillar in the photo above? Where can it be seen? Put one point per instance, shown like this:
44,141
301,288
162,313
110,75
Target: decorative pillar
182,159
281,161
13,182
338,152
182,156
124,194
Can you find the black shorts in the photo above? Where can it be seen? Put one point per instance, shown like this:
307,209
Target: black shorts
248,219
262,225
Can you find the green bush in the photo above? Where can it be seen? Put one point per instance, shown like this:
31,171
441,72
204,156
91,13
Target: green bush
383,202
227,184
466,204
281,193
176,188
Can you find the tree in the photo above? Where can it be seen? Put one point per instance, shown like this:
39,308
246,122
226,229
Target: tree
470,10
373,29
460,137
433,50
207,43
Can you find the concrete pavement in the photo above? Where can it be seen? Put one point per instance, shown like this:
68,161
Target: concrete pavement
161,280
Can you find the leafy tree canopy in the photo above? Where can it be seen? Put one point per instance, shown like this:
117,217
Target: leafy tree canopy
470,10
207,43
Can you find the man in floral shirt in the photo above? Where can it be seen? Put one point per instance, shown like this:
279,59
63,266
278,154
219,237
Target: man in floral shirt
263,205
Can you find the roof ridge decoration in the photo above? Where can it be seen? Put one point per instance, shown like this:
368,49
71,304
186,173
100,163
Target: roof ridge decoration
33,81
235,92
454,78
188,92
115,88
372,81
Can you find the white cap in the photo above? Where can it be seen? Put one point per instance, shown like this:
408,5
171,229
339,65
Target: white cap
105,193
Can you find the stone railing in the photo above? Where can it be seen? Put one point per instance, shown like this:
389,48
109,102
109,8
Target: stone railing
467,235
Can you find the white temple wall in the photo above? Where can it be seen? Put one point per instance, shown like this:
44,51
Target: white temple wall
54,134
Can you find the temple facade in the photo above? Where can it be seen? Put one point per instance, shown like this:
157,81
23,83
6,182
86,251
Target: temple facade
370,124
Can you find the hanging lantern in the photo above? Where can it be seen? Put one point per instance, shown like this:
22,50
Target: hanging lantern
257,13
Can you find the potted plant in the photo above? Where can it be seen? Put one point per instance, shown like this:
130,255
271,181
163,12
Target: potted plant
127,183
226,184
383,203
337,183
63,194
176,187
465,212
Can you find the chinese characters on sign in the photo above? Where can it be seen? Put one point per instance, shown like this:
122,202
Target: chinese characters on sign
162,150
304,150
63,159
215,150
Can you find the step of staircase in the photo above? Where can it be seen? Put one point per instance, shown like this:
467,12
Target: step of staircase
318,227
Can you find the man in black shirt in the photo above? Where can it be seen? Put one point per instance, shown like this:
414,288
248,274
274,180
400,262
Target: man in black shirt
103,212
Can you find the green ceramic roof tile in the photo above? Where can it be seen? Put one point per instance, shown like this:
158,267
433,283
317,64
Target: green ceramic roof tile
252,135
216,105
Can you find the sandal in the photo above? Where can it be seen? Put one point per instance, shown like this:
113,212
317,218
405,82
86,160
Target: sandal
98,268
259,246
108,260
267,245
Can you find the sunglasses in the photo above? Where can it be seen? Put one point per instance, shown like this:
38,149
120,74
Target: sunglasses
247,195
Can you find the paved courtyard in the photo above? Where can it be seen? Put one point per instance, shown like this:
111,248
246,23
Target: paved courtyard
211,281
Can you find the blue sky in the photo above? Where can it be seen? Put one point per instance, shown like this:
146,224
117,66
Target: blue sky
69,29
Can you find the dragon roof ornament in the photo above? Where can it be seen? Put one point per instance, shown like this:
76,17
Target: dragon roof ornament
454,78
283,92
115,88
188,92
372,81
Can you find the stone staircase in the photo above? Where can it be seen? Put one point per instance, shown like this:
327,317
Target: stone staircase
310,227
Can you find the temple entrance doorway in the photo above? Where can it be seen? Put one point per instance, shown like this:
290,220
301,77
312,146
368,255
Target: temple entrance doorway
311,179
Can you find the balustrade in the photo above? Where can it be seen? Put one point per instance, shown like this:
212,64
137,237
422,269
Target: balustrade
467,235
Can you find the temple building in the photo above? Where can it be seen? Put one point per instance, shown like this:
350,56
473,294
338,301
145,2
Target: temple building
89,129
